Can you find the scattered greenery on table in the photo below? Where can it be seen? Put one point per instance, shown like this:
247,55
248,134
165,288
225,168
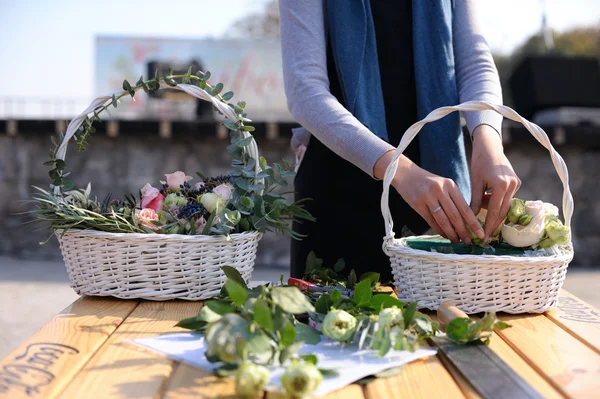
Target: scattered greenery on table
247,329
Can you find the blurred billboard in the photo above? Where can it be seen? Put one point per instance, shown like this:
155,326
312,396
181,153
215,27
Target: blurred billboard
251,68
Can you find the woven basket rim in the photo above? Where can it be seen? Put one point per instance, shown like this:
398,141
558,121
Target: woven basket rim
399,245
164,237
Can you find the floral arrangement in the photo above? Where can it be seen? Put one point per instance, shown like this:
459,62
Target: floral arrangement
534,224
247,330
245,199
528,224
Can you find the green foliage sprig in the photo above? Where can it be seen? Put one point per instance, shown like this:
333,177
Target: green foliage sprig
256,204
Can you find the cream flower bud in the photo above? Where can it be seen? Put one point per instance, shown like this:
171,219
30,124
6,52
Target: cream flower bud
391,317
301,380
339,325
250,380
212,202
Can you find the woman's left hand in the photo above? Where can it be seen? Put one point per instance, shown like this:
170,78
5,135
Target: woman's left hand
491,170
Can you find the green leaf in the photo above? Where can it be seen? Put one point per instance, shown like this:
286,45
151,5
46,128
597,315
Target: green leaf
192,323
260,345
200,74
329,373
231,125
288,333
262,314
68,185
259,206
170,82
242,183
335,297
248,128
307,334
323,304
201,176
339,265
310,358
206,75
457,329
114,101
289,351
126,85
244,142
233,274
313,263
237,293
501,325
351,282
244,225
409,314
227,369
262,162
372,277
291,300
227,96
219,307
363,292
217,89
382,301
386,345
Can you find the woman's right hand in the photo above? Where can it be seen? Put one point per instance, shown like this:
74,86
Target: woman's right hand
437,199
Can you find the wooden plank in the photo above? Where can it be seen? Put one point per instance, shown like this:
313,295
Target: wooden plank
42,365
578,318
512,359
349,392
566,363
424,378
188,382
123,370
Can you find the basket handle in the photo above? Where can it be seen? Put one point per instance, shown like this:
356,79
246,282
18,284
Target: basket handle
192,90
536,131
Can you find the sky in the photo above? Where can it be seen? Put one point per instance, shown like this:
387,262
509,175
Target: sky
47,47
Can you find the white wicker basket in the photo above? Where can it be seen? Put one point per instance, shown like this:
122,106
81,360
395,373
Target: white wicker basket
477,283
154,266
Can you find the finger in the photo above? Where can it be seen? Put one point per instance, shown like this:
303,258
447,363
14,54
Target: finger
492,219
466,215
432,223
477,193
506,203
456,219
442,220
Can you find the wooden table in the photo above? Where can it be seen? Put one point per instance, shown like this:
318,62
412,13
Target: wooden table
83,353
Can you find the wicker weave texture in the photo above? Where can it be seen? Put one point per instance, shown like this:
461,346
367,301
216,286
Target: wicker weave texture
482,283
155,267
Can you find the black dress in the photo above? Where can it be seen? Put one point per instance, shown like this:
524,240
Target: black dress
345,200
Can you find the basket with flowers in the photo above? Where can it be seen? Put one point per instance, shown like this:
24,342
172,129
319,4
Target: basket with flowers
523,271
168,241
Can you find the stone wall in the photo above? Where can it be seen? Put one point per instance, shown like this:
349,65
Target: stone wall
120,165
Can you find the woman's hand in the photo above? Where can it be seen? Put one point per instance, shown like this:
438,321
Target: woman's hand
435,198
491,170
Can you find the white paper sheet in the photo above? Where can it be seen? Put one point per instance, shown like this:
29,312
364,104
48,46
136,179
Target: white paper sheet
350,363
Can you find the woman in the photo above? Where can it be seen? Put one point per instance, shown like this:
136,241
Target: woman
357,74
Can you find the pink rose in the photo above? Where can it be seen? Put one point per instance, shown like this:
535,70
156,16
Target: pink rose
146,216
175,180
224,191
199,225
151,197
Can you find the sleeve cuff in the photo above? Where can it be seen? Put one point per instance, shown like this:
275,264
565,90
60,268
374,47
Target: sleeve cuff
491,118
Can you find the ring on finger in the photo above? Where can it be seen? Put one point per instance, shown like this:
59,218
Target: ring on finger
439,208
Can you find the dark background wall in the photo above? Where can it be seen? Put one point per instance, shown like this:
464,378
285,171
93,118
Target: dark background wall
139,155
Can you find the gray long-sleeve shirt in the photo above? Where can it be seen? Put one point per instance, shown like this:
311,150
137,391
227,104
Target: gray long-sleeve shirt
303,41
